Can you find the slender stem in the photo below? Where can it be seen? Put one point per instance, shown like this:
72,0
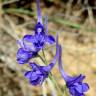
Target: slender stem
44,56
66,91
50,75
54,92
41,59
55,84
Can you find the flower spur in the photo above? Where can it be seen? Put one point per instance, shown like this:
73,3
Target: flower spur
74,84
39,73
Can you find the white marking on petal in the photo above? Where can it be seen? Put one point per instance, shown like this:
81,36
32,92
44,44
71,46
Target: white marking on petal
39,30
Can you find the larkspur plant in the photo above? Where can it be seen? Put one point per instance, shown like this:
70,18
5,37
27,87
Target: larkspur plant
30,45
74,84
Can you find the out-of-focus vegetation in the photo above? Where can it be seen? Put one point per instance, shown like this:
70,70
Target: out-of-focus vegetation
75,20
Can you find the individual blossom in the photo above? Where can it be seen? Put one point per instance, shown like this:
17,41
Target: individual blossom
23,56
38,40
39,73
74,84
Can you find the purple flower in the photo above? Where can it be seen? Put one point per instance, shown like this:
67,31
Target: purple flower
74,84
32,44
41,29
38,40
39,73
23,56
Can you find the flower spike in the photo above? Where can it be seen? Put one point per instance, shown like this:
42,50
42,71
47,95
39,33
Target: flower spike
74,84
39,73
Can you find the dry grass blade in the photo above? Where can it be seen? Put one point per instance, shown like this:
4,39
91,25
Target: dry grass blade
9,2
44,90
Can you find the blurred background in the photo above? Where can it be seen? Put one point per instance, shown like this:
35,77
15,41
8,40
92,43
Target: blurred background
75,20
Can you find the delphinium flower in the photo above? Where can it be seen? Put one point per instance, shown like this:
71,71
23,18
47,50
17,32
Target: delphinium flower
39,73
30,45
74,84
23,56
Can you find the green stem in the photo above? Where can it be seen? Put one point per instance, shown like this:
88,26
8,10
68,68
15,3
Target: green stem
66,91
41,59
55,83
50,75
44,56
20,10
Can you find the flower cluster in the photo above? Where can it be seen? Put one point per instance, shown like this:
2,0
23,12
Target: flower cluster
31,44
39,73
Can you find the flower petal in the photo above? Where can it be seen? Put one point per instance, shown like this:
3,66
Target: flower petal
72,91
28,74
28,41
79,88
50,39
37,81
34,65
22,56
20,43
79,78
76,79
85,87
33,76
29,38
